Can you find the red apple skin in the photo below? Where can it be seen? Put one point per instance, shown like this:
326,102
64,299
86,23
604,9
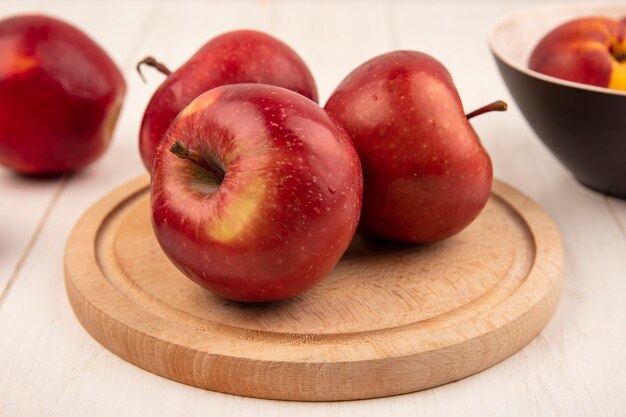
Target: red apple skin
589,50
425,174
60,95
242,56
289,203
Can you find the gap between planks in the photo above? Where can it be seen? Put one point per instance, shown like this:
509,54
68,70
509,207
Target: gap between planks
31,242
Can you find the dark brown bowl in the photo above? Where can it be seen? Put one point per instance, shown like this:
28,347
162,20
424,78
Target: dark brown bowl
583,125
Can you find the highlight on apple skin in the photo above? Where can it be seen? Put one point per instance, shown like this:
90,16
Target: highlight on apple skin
60,96
426,175
242,56
590,50
255,193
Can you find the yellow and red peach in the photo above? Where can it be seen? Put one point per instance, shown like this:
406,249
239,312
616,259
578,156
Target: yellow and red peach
589,50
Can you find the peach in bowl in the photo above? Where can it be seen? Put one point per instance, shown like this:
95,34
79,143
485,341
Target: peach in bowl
574,97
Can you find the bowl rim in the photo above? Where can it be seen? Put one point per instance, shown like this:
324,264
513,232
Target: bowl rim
547,78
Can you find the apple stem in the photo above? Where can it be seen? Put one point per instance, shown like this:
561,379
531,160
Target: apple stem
495,106
182,151
151,62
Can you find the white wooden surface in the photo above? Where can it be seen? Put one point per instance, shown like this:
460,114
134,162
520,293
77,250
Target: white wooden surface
49,366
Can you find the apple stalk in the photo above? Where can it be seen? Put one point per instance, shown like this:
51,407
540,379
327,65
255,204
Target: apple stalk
184,152
495,106
152,62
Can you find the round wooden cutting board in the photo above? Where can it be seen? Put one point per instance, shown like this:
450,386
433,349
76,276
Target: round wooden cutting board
389,319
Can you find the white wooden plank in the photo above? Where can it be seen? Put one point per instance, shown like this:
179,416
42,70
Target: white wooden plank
183,27
334,37
23,200
33,381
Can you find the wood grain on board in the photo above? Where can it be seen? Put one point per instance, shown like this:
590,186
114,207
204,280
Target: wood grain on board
389,319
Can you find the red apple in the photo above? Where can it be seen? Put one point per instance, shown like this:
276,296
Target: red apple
242,56
60,95
425,174
590,50
256,192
